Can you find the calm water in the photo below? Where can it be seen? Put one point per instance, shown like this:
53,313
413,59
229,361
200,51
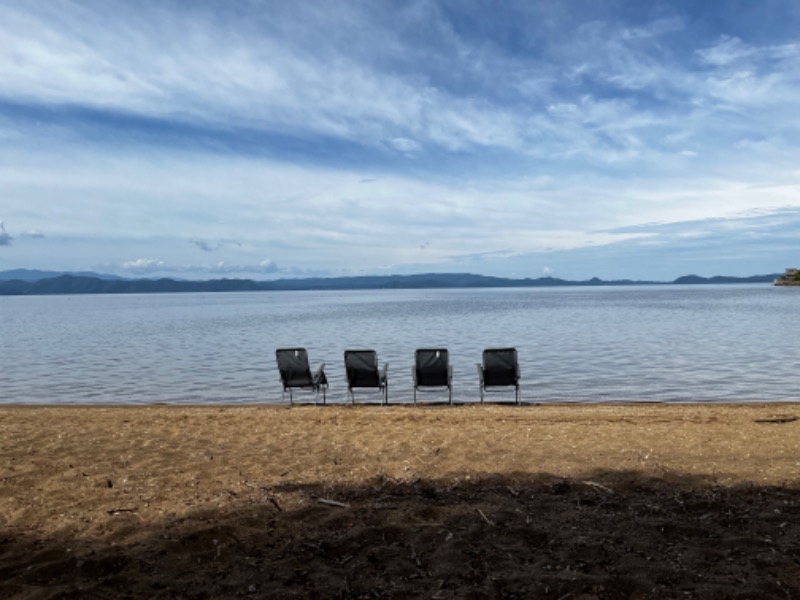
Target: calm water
664,344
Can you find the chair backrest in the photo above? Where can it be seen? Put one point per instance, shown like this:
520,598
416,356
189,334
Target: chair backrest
362,368
431,366
500,366
293,367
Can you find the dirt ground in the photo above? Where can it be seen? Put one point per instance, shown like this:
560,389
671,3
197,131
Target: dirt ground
560,502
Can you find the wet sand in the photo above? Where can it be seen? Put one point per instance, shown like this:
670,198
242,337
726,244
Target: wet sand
578,501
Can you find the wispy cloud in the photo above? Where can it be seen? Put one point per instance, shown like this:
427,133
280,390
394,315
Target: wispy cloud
213,246
486,133
113,57
116,57
5,238
405,145
121,59
206,246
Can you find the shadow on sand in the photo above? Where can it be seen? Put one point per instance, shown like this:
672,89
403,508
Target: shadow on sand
611,535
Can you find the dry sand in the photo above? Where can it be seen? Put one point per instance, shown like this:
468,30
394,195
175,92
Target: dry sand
634,501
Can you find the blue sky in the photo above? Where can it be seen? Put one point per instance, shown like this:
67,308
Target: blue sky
270,139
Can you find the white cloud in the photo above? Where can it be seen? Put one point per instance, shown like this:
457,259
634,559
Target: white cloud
405,145
746,75
143,264
268,266
726,52
735,53
654,29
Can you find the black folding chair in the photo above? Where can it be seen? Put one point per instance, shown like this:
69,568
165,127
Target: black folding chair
361,367
432,370
500,369
296,373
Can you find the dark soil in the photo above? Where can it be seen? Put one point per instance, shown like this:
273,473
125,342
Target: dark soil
616,535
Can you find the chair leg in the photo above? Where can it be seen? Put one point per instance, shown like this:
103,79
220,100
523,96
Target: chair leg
415,394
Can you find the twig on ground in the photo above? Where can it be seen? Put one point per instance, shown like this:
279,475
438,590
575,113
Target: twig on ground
485,518
777,420
115,511
599,486
333,503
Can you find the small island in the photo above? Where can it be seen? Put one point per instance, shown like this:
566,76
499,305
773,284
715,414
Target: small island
789,277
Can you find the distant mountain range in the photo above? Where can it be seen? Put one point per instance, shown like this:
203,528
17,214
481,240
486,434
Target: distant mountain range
35,275
24,282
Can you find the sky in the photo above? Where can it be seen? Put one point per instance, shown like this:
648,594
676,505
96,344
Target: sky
269,139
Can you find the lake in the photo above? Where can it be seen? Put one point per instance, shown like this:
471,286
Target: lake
706,343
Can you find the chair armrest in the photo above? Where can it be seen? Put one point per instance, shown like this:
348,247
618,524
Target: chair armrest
480,372
414,374
449,375
319,376
385,372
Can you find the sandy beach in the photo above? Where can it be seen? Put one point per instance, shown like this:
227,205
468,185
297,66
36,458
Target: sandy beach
609,501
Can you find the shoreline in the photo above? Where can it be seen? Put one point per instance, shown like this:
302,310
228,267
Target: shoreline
420,405
628,500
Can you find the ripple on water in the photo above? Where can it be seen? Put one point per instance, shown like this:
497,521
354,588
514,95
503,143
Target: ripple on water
662,344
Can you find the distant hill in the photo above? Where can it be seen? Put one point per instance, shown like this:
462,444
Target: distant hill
694,279
96,284
76,284
36,275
